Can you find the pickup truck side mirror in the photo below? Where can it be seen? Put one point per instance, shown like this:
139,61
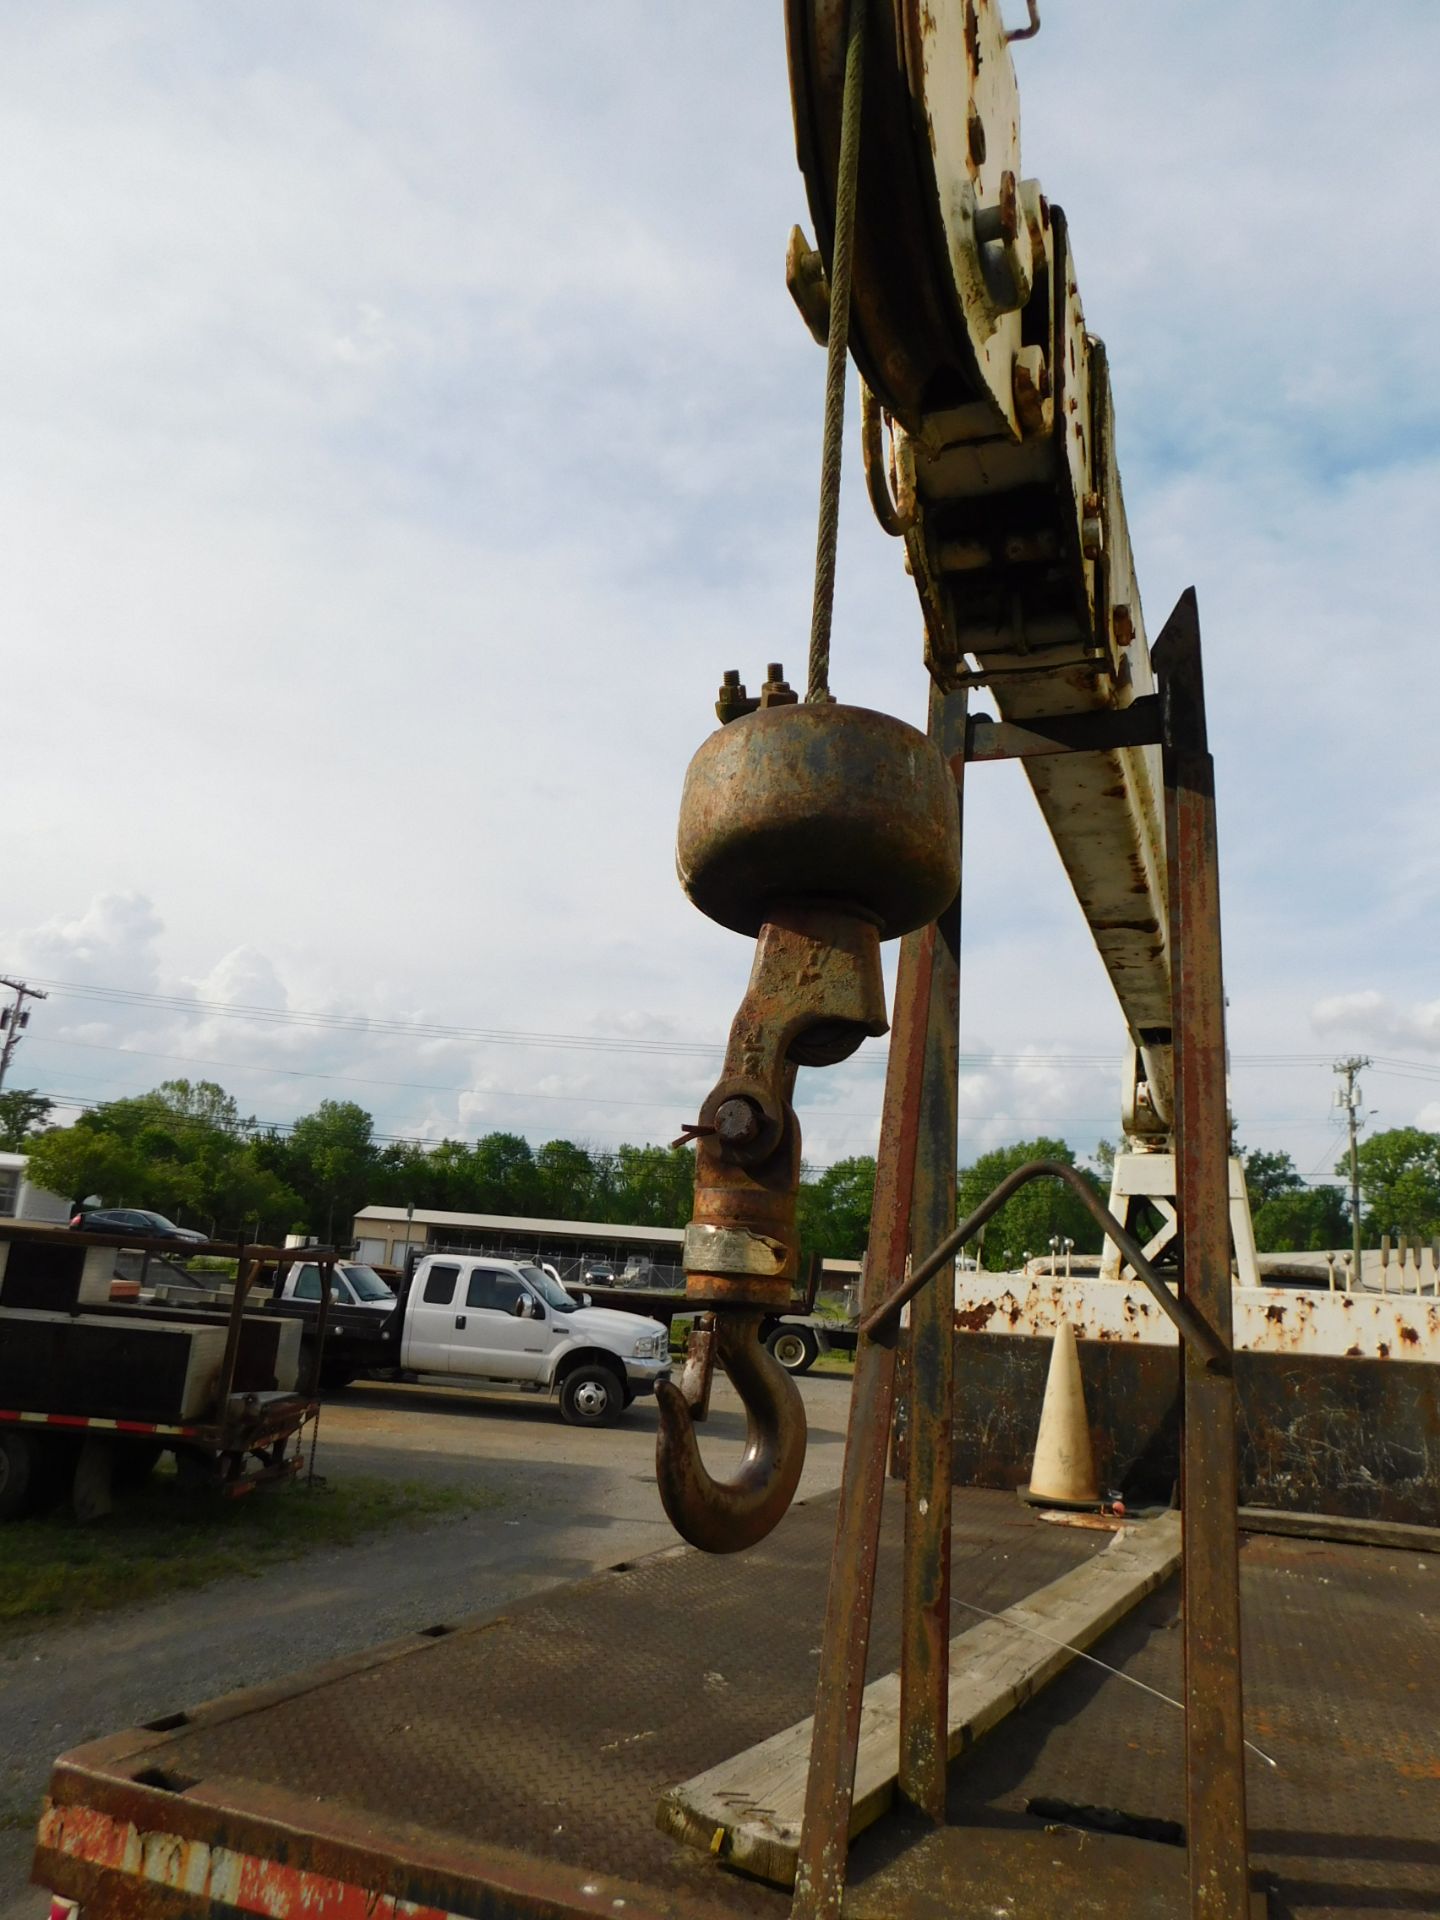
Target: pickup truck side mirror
524,1308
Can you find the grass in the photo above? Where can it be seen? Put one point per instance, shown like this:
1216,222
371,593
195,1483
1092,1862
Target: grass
163,1539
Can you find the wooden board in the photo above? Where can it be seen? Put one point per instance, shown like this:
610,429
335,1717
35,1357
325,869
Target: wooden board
747,1810
1343,1528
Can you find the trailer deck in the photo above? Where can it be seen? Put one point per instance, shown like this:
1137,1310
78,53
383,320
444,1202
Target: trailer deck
513,1764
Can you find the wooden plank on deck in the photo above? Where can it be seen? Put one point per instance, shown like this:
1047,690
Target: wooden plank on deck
748,1809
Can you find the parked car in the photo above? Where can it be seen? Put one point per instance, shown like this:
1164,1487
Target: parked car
148,1226
598,1273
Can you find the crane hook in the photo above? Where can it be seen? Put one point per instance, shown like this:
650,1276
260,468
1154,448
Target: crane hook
724,1516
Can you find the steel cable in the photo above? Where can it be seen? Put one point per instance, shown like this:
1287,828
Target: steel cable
837,350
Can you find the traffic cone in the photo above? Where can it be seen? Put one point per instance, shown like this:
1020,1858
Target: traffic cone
1063,1473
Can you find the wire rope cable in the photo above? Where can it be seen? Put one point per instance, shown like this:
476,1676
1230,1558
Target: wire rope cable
837,348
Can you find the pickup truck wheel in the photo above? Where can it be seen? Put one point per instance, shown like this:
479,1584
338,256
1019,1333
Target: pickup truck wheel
796,1348
592,1397
18,1453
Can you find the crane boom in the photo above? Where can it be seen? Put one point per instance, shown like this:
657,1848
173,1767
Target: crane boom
1000,471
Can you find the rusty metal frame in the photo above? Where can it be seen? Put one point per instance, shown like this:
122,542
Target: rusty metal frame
825,1831
925,1577
1209,1484
916,1159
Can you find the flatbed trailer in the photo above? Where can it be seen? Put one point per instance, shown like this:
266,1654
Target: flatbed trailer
93,1388
513,1764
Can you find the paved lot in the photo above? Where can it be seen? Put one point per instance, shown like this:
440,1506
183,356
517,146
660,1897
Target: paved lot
569,1501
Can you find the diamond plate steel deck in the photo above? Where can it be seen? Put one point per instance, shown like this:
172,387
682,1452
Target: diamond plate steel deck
551,1729
1342,1690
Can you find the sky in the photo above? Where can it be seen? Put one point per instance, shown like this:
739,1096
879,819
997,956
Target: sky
405,424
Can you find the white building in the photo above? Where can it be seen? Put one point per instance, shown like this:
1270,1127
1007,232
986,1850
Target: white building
19,1200
650,1255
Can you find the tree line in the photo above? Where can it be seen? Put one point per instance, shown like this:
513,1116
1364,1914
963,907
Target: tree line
185,1149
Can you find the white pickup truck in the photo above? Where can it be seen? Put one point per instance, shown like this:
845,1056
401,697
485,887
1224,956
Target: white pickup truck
480,1318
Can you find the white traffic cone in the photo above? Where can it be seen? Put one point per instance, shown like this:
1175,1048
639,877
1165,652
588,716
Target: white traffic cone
1063,1474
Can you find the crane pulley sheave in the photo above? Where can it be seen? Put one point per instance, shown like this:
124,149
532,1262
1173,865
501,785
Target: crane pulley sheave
966,325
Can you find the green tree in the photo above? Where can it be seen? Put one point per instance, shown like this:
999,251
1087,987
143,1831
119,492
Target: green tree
183,1149
1268,1176
1400,1182
1040,1210
1301,1220
570,1183
330,1161
834,1208
653,1186
80,1160
23,1113
504,1165
408,1173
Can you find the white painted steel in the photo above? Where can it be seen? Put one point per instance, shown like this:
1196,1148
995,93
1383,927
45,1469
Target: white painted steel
1275,1319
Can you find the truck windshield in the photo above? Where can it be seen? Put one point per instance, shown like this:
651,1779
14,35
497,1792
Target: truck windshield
367,1284
550,1291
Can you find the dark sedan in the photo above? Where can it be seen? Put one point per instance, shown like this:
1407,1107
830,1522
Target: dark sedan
144,1225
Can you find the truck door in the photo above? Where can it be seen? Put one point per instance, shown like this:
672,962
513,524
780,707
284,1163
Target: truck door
430,1317
489,1337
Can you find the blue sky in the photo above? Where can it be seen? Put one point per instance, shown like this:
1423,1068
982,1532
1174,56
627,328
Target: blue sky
406,423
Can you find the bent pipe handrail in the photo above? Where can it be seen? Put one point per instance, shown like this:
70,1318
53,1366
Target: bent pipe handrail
882,1319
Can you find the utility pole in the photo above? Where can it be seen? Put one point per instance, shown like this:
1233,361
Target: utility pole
14,1019
1348,1097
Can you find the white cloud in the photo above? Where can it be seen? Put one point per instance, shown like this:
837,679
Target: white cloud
1372,1017
406,423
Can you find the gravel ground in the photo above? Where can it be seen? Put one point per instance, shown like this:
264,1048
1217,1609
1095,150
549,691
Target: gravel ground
569,1502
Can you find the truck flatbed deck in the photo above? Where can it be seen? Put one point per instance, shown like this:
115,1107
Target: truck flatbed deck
513,1764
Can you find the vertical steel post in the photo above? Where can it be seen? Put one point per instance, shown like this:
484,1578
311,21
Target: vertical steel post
830,1784
1214,1739
925,1615
247,1266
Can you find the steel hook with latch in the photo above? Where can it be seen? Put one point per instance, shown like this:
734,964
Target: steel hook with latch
725,1516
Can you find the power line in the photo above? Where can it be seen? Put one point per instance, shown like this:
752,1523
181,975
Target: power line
608,1043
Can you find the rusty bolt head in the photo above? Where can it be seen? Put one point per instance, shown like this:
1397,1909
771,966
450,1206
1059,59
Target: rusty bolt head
777,691
738,1121
733,702
1092,527
975,132
1009,206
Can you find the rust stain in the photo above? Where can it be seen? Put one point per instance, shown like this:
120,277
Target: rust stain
1275,1315
973,1319
1409,1335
